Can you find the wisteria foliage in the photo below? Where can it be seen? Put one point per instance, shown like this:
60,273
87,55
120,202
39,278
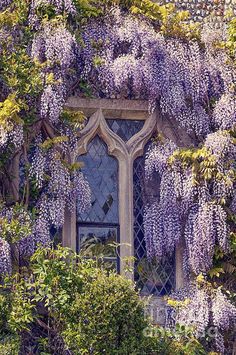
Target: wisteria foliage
207,311
122,55
197,207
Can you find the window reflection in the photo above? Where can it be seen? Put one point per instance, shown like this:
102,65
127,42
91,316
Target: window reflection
99,242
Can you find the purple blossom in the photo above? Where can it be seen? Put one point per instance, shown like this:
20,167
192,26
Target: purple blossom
157,157
204,308
220,143
224,313
60,6
3,136
42,226
54,44
80,193
4,4
224,114
59,184
205,228
52,102
210,35
38,164
27,246
162,224
56,211
16,136
5,257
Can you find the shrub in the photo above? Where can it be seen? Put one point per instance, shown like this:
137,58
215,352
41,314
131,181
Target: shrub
107,317
63,304
9,345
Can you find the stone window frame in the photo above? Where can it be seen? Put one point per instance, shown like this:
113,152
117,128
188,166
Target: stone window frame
97,111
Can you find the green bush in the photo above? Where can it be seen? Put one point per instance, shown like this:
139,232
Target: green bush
64,303
107,317
179,341
9,345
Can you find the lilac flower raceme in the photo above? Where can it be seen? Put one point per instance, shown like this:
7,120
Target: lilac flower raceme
52,102
59,183
224,114
17,229
162,224
220,144
38,164
207,229
80,193
16,136
42,223
5,257
56,211
3,136
224,313
4,4
60,7
55,44
204,309
157,157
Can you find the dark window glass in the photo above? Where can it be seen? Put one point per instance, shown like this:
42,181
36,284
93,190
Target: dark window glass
125,129
98,229
101,171
152,277
99,241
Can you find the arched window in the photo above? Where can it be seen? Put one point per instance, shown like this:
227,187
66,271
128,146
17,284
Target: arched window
112,148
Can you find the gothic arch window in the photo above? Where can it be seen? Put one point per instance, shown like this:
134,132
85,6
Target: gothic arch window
112,147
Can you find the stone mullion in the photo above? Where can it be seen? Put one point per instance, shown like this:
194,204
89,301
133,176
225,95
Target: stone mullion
126,214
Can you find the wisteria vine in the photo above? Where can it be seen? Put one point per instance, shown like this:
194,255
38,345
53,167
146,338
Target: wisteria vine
112,55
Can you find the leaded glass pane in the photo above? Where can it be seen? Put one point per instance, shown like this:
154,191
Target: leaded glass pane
152,277
98,241
101,171
125,129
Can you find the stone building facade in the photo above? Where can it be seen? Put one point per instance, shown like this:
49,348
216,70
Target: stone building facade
200,9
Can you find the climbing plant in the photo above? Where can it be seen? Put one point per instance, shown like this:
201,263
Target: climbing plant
51,49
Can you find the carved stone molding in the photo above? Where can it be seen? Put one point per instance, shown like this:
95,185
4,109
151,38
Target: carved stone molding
97,126
137,143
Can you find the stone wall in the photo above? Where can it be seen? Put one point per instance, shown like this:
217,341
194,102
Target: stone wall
199,9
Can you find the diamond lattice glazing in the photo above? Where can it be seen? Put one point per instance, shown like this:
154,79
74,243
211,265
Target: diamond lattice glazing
125,129
156,278
101,171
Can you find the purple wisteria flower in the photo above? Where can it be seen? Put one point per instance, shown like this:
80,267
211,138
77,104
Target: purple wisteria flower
5,257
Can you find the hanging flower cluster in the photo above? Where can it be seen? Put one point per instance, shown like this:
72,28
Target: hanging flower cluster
16,228
196,208
136,61
207,311
62,188
205,229
201,184
4,4
5,257
162,222
112,56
